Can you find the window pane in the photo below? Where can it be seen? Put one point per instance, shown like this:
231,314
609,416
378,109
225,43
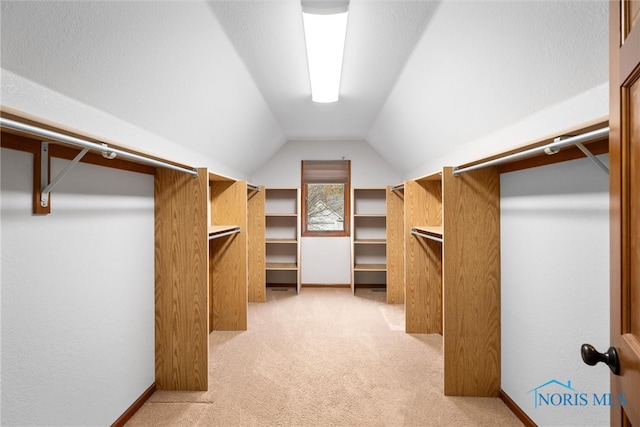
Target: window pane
325,207
325,204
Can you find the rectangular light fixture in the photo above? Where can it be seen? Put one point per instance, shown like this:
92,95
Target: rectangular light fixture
325,35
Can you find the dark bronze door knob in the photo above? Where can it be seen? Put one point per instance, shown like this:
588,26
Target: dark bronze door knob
591,356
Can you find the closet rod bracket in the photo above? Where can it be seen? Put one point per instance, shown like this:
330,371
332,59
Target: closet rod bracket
46,185
590,155
107,154
580,146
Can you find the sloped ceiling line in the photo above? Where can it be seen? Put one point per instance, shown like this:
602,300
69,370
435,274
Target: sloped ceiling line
228,78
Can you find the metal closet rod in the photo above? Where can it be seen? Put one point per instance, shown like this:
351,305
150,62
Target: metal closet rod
426,236
549,149
253,187
55,136
397,187
226,233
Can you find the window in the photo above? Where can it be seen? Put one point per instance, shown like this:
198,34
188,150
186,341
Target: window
325,197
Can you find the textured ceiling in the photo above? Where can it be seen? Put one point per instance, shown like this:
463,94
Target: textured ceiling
229,78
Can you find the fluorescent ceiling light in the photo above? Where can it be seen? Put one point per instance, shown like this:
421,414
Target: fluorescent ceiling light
325,35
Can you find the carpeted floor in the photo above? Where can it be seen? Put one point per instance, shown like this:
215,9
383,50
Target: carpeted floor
323,358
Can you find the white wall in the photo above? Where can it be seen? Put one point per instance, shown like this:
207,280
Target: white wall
513,59
592,105
24,95
325,260
555,286
368,169
77,295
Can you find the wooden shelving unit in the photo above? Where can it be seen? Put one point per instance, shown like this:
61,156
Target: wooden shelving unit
202,243
452,273
282,237
228,255
423,257
369,238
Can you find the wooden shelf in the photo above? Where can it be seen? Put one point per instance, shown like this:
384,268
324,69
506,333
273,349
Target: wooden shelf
370,242
281,266
217,177
282,241
369,237
370,267
431,230
282,236
435,176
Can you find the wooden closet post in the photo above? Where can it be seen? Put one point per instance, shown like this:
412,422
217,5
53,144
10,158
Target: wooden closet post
395,247
256,246
181,282
471,282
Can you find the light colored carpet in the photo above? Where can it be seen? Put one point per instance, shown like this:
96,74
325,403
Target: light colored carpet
323,358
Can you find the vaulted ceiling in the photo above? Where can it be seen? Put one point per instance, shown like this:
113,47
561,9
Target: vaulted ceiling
229,79
269,38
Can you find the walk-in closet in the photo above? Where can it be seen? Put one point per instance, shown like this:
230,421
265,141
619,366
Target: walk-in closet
196,231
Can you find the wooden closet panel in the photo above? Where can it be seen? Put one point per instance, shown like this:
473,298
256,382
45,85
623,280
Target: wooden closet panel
395,247
181,292
632,15
471,273
423,258
228,258
256,246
